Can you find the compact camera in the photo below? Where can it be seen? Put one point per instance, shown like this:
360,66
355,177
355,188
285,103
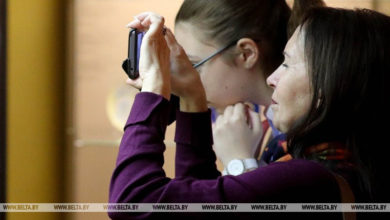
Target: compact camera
131,64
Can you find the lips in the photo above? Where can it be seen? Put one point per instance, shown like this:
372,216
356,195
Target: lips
274,102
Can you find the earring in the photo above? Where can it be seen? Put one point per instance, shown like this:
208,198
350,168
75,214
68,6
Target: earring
319,101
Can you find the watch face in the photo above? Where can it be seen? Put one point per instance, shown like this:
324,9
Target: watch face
235,167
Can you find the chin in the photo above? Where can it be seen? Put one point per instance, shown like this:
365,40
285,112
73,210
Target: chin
283,129
279,125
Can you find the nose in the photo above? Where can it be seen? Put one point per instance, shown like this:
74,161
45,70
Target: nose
273,79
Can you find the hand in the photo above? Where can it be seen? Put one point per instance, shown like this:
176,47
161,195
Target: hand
154,64
185,80
237,133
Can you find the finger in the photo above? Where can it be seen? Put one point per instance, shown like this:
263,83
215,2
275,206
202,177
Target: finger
143,15
218,121
137,83
255,121
155,25
173,46
171,40
228,111
135,24
239,110
140,17
213,126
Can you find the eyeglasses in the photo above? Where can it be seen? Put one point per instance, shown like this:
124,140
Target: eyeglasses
196,65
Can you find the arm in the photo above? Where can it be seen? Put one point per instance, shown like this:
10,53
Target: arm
139,177
194,154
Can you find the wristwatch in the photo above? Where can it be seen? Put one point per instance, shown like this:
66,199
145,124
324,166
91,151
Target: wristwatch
236,167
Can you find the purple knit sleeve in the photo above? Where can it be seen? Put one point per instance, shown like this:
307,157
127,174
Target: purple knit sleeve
194,154
139,177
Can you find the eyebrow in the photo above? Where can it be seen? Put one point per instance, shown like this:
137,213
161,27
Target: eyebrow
286,54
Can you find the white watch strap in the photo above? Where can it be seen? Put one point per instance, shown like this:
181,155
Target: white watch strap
249,163
224,172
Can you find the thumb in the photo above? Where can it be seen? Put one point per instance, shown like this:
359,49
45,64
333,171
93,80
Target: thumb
137,83
255,120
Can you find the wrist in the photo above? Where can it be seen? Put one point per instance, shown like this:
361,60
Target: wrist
239,166
195,103
157,86
227,160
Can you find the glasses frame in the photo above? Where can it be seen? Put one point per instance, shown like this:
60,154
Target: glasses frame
196,65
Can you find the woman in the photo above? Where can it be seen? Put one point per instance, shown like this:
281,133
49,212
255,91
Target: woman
245,52
322,91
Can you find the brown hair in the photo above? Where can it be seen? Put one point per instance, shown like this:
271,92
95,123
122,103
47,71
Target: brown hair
298,12
264,21
349,74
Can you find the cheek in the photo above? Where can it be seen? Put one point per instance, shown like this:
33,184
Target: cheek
208,81
283,111
294,103
218,85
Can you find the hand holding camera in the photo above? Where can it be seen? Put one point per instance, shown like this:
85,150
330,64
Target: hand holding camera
163,64
154,62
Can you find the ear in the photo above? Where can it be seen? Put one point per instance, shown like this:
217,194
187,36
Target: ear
248,53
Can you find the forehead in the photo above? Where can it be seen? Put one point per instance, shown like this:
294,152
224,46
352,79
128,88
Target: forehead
192,39
295,45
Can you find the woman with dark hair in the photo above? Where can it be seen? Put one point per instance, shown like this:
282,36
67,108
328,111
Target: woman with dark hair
328,93
346,56
331,95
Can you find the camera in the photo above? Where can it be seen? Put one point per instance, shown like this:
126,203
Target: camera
131,64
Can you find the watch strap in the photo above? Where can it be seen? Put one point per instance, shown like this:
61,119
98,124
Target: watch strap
249,163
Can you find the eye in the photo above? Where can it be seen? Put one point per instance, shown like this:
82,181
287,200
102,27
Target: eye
285,65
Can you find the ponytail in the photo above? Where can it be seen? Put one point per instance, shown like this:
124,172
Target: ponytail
299,9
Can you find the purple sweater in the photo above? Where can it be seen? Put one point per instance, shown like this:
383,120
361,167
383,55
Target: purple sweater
139,177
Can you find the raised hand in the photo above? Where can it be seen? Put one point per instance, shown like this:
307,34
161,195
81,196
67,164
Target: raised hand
237,133
154,64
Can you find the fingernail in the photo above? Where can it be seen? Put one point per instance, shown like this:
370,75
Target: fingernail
132,23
